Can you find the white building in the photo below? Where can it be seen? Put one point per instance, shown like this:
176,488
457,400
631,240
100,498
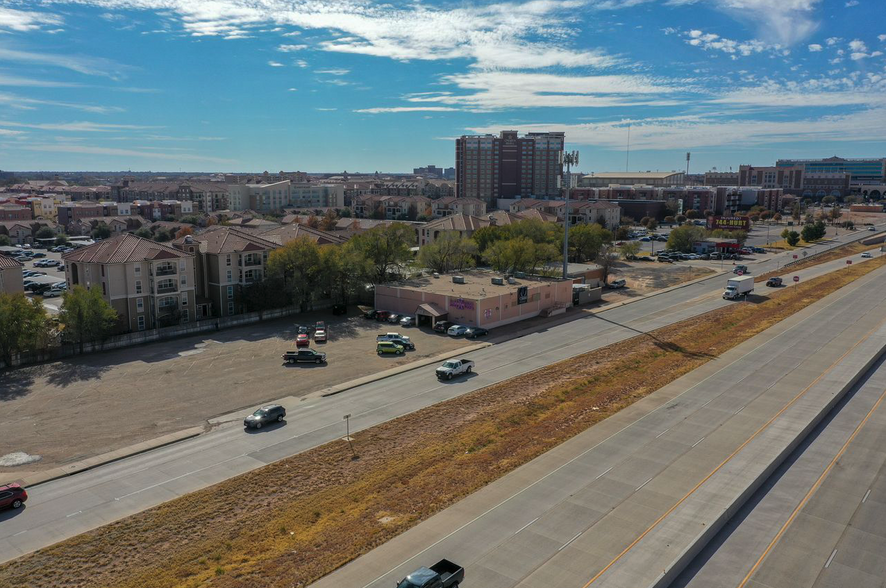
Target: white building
307,195
260,197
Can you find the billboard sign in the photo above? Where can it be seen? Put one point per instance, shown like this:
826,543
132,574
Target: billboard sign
729,223
522,294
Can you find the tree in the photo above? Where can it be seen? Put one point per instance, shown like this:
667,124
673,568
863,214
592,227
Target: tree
828,200
313,221
754,216
162,235
606,259
101,231
486,236
85,315
450,251
23,325
793,238
190,219
692,214
144,233
378,213
652,224
680,219
776,217
184,231
387,248
796,212
44,233
264,295
629,249
412,212
297,267
329,220
586,240
344,271
765,215
645,220
708,212
809,233
5,241
520,254
683,238
622,232
61,240
670,220
835,213
785,233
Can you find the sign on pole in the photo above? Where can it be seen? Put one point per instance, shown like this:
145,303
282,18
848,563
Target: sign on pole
848,262
795,256
796,278
740,273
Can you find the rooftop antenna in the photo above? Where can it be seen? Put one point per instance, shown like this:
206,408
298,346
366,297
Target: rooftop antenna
628,153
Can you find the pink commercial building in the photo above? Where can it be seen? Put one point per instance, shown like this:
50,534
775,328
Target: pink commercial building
474,299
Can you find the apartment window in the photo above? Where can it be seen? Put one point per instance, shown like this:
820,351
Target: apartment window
141,323
103,271
230,308
185,316
104,289
229,275
138,270
184,300
138,286
228,260
230,293
140,304
184,280
181,265
168,302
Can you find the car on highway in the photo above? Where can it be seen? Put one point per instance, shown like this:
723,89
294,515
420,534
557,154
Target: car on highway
304,356
454,367
474,332
265,416
774,282
872,228
741,268
443,574
442,326
389,347
12,496
457,330
302,340
866,255
407,321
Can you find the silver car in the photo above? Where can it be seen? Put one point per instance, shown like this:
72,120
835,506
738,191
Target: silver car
457,330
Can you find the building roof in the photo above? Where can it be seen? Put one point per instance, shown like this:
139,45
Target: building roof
642,175
124,249
457,222
8,262
284,234
478,284
219,239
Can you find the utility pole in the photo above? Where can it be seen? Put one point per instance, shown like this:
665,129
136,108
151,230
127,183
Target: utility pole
347,420
570,158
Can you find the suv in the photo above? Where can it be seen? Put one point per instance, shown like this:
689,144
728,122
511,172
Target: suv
741,268
774,282
265,415
442,326
12,496
383,347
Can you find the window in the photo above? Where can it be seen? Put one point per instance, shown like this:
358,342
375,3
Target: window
229,276
140,304
168,302
185,316
141,323
230,308
166,285
138,286
184,280
181,265
230,292
103,271
104,288
138,270
184,300
228,262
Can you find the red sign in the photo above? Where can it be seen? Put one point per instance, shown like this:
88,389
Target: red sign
796,278
848,262
795,256
729,223
740,273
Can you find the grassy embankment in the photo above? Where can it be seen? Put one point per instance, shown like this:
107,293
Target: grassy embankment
300,518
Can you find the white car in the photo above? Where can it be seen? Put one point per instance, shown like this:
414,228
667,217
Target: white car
457,330
320,334
407,321
866,255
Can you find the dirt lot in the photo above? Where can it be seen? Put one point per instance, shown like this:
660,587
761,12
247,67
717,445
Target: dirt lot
66,411
311,513
643,277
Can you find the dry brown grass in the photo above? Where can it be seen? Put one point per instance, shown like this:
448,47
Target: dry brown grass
300,518
836,253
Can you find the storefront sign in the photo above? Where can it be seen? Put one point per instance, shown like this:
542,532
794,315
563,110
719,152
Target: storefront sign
729,223
522,294
461,304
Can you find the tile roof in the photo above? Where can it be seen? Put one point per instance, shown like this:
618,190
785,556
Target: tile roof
457,222
123,249
8,262
220,239
286,233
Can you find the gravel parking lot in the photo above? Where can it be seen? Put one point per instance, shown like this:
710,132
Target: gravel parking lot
66,411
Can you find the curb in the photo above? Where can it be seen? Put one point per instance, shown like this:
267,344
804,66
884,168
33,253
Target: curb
106,458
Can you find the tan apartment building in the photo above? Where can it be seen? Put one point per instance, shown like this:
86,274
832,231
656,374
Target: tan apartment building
227,259
452,205
11,281
463,224
149,284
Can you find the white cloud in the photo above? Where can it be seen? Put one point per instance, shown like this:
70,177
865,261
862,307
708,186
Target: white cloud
408,109
26,103
784,22
300,63
292,90
127,153
852,3
858,45
275,64
815,47
881,37
8,80
832,40
715,42
333,72
94,66
291,48
25,20
326,109
78,127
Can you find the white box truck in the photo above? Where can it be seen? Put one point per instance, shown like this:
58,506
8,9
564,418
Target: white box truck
738,287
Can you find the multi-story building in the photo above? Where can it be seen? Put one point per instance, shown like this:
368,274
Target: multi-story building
227,260
15,212
713,178
462,224
655,179
206,196
821,184
448,206
11,281
431,170
508,166
149,284
70,212
390,207
787,178
307,195
259,197
863,172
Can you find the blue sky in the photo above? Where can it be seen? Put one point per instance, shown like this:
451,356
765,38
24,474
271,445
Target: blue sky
252,85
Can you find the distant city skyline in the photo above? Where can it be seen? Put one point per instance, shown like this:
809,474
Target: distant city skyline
237,85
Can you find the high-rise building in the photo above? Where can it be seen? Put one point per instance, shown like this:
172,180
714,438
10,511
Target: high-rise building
508,166
864,172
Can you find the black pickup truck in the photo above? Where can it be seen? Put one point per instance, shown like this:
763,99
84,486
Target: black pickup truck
443,574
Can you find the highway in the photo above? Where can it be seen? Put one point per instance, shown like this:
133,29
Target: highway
69,506
586,513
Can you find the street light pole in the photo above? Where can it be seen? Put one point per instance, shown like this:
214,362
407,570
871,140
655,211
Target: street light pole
570,158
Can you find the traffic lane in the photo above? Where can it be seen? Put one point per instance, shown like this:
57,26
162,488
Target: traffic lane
515,536
729,557
378,402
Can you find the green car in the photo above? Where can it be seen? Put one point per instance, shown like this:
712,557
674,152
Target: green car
388,347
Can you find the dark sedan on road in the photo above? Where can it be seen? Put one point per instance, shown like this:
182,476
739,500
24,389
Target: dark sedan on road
265,416
774,282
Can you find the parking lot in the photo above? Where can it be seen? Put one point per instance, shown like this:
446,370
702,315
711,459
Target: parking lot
50,303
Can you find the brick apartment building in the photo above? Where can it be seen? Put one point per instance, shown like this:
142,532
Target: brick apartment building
15,212
508,166
149,284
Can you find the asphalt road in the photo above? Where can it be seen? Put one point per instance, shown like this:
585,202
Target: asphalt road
561,519
69,506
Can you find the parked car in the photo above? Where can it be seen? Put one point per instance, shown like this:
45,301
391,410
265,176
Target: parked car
382,315
304,356
454,367
474,332
383,347
616,284
646,239
302,340
664,259
264,416
12,496
872,228
407,321
397,338
442,326
36,254
866,255
774,282
370,314
22,258
320,333
456,330
758,250
393,318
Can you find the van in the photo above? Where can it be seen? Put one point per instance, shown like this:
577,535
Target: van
383,347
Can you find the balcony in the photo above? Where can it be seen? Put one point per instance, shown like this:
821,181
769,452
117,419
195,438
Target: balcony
167,289
252,261
165,271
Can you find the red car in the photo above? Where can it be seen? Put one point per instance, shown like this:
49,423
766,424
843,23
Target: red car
302,340
12,496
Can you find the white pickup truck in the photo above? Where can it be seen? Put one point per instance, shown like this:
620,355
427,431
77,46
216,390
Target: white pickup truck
454,367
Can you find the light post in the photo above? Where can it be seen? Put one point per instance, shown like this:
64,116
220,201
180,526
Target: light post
570,158
347,419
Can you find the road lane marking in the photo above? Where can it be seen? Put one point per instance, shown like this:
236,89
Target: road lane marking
663,432
830,559
526,525
73,514
604,473
812,491
643,484
19,533
697,442
570,541
152,486
740,409
722,464
866,494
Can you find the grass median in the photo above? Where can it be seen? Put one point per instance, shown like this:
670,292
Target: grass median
300,518
835,253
